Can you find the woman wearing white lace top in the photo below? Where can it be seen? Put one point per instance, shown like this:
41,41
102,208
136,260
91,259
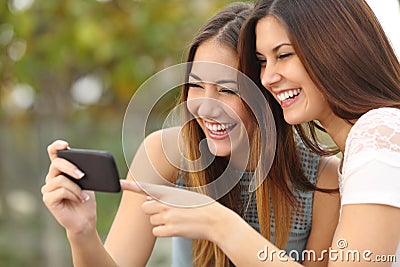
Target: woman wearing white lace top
330,61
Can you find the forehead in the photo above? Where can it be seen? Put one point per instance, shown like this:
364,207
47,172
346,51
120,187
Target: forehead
270,32
214,61
212,72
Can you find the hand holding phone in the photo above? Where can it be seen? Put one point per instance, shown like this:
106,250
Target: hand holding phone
100,170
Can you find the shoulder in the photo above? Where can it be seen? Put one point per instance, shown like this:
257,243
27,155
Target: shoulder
161,137
382,112
161,150
166,144
376,130
379,117
371,164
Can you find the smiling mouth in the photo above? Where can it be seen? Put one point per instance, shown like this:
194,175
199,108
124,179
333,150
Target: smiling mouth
289,94
219,128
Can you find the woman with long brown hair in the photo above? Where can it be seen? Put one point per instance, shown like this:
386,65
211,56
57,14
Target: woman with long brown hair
284,206
345,78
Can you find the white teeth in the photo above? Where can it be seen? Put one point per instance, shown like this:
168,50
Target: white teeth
287,94
218,128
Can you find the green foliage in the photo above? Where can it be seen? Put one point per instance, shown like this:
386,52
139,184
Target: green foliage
128,40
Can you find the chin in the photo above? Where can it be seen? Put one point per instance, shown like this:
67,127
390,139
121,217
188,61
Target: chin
293,120
218,152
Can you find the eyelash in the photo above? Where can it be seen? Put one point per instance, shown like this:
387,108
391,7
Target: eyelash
189,85
262,62
223,90
229,91
284,55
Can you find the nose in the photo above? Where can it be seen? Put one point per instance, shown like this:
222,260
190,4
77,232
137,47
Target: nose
269,76
208,105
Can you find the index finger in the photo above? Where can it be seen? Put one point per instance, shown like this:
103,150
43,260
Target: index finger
132,186
155,190
169,195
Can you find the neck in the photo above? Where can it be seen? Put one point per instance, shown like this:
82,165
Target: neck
338,129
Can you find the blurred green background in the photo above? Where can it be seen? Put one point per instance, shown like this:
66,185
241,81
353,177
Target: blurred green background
68,70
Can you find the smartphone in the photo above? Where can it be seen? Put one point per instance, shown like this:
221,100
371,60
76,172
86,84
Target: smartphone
101,173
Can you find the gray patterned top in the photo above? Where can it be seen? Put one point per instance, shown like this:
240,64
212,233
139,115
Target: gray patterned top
301,218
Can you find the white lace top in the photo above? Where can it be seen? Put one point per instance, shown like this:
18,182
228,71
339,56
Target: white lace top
371,165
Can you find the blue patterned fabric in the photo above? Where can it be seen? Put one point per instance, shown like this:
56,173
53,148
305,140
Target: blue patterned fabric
301,218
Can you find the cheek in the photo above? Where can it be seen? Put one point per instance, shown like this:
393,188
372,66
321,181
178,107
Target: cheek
295,70
237,111
320,101
191,103
192,107
313,92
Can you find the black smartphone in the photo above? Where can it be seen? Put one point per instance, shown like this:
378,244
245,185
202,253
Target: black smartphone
101,173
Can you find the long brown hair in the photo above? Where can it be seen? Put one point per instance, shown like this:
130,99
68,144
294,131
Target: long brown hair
286,172
344,50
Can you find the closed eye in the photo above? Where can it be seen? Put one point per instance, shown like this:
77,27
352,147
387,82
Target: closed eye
285,55
229,91
194,85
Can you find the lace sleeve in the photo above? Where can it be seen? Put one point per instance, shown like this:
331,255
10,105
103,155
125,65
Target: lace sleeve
371,166
377,130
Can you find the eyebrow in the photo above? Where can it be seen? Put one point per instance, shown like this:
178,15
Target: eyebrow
216,82
279,46
276,48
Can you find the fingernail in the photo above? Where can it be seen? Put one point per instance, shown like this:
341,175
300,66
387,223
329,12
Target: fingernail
79,173
149,198
85,197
